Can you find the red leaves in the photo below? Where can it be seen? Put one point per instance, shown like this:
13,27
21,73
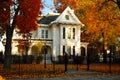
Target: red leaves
22,44
26,19
5,12
29,12
65,3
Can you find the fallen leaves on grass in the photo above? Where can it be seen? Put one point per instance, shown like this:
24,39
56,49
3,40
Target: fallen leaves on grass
38,70
1,78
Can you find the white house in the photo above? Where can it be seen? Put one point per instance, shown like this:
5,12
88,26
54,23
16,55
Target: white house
59,32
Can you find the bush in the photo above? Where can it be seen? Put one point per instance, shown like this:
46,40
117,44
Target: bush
94,59
61,59
39,59
117,60
30,59
76,59
15,59
22,59
79,59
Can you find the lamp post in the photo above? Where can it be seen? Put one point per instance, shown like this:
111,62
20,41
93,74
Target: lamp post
88,57
45,52
77,61
53,61
65,61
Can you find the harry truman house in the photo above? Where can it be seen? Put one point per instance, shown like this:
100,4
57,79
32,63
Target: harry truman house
59,33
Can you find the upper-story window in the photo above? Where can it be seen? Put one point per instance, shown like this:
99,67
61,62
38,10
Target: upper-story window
67,17
44,34
64,32
69,33
73,33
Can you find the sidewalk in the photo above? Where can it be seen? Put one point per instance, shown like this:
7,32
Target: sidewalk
79,75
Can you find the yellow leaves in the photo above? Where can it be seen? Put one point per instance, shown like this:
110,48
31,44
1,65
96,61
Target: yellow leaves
1,78
37,47
101,19
99,16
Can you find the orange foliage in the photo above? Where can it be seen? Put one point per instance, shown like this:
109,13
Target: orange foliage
100,16
65,3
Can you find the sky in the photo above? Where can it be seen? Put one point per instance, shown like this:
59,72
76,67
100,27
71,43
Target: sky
48,4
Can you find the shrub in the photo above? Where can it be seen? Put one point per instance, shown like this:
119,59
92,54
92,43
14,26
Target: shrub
15,59
79,59
39,59
61,59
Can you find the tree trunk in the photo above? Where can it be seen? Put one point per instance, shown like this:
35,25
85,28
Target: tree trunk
8,47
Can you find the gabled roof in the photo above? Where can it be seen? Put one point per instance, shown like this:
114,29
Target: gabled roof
48,19
70,12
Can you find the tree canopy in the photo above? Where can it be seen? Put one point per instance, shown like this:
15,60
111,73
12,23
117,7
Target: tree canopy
18,14
101,18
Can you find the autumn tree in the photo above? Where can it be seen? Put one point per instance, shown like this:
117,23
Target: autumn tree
101,17
95,15
20,15
60,5
102,21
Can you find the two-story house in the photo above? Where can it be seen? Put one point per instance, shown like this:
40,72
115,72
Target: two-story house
60,33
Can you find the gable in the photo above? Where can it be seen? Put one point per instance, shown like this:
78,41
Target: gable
68,17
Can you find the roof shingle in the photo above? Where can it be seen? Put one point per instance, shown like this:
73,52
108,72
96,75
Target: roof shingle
47,19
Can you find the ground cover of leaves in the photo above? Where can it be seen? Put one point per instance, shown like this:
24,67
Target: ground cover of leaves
39,70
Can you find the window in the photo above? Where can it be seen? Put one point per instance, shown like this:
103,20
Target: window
73,50
69,50
64,33
73,33
63,50
42,35
69,33
46,34
67,17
